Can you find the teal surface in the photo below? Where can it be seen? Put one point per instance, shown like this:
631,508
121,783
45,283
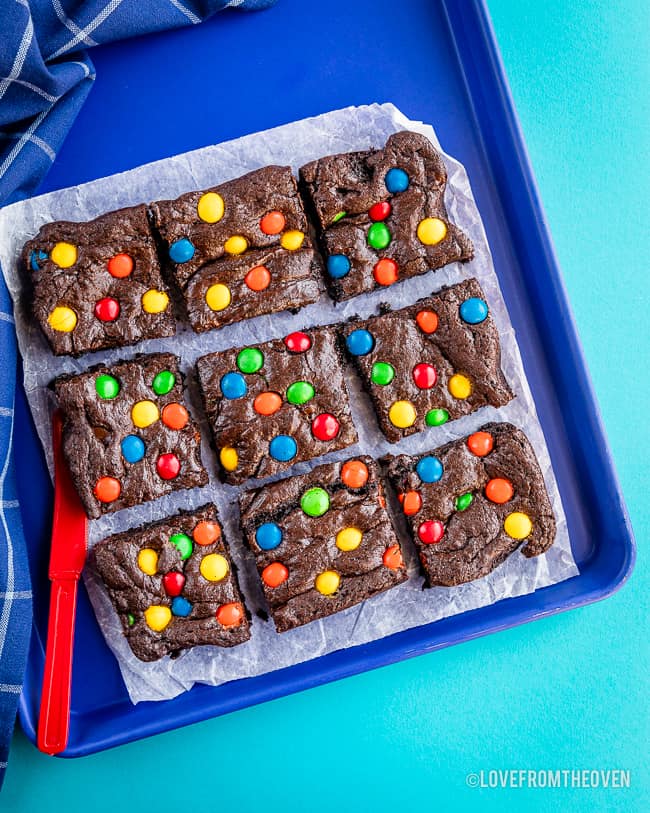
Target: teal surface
568,692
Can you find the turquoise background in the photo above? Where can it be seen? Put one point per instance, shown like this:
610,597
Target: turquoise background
570,691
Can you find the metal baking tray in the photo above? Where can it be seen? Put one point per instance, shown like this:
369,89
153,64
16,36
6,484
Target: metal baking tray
438,61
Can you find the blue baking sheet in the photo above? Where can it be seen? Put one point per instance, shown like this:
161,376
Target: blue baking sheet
438,62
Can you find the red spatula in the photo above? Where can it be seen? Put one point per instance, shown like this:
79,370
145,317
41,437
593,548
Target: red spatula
67,557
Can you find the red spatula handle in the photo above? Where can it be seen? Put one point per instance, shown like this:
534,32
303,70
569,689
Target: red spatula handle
54,720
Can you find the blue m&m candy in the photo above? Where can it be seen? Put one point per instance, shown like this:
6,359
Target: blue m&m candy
182,250
360,342
181,606
338,265
36,258
474,310
268,536
233,385
429,469
283,448
132,448
396,180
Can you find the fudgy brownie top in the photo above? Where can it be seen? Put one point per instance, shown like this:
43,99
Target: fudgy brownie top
429,363
127,435
97,284
173,585
240,249
382,214
274,404
473,502
322,541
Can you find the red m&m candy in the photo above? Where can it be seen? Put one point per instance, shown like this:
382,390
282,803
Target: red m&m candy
380,211
168,466
107,309
297,342
325,426
173,583
431,531
425,376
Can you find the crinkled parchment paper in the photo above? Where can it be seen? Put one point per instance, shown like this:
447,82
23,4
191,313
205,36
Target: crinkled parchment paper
401,608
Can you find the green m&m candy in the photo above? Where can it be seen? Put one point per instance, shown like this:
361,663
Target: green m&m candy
163,382
436,417
130,618
315,502
463,502
382,373
250,360
183,544
379,236
107,386
300,392
338,216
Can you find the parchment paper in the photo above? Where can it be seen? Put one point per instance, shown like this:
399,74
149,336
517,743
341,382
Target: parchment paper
401,608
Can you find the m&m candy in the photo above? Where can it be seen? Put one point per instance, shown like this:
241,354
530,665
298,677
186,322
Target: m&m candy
107,489
231,614
480,443
210,207
132,448
429,469
168,466
163,382
379,236
436,417
144,413
272,222
214,567
392,558
206,532
229,458
382,373
380,211
267,403
396,180
275,574
297,342
235,244
107,386
181,606
431,531
300,392
411,502
473,310
338,266
385,271
250,360
62,319
107,309
348,539
427,321
425,376
154,301
354,473
360,342
402,414
175,416
315,502
325,426
120,266
36,258
258,278
181,251
431,231
218,297
460,386
157,617
233,386
292,240
518,525
283,448
499,490
183,544
268,536
64,255
463,502
173,582
327,582
148,561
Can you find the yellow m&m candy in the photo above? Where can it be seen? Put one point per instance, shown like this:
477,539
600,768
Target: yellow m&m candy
518,525
460,386
154,301
348,539
148,561
431,231
214,567
327,582
144,413
229,458
402,414
210,207
292,240
63,319
64,255
157,617
218,297
235,244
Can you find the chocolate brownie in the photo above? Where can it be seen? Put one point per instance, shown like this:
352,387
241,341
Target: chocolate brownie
97,284
240,249
322,541
382,214
429,363
173,585
473,502
127,435
274,404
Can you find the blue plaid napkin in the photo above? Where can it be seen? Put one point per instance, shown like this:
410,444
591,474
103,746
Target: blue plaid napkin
45,76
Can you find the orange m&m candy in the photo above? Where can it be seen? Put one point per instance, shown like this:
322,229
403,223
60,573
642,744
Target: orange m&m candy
354,474
411,503
427,321
206,532
392,558
120,266
480,443
275,574
175,416
107,489
385,271
230,615
273,222
499,490
267,403
258,278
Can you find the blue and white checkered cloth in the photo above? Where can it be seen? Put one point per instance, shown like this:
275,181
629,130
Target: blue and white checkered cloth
45,76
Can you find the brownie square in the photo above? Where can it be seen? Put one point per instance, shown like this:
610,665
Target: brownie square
322,541
127,434
240,249
381,214
274,404
473,502
173,585
429,363
98,284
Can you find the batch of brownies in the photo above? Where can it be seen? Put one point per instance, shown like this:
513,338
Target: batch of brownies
325,540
